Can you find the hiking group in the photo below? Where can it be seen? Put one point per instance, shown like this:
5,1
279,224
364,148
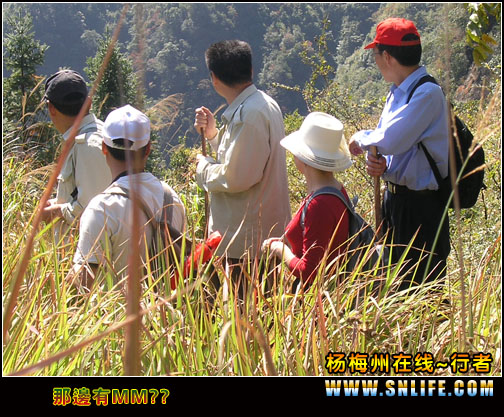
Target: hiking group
247,180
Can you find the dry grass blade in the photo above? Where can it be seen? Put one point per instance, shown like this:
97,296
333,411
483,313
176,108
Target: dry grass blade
11,304
261,339
163,114
30,370
114,328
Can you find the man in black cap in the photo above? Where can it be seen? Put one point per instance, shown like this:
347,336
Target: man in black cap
85,172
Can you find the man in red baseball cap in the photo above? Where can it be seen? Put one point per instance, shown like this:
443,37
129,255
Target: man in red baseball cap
392,31
415,116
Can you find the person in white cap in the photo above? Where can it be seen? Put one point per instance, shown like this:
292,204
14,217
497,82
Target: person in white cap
322,223
105,226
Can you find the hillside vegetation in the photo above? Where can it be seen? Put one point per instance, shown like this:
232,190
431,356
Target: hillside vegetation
165,43
309,57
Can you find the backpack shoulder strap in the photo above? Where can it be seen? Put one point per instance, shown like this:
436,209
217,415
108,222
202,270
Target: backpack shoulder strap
423,80
432,163
167,216
326,190
83,135
118,190
167,209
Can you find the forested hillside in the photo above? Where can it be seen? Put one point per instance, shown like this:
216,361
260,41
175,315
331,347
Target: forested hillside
309,56
166,43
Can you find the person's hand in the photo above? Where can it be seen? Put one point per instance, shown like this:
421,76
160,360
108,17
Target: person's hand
354,147
82,277
272,245
51,210
205,120
376,165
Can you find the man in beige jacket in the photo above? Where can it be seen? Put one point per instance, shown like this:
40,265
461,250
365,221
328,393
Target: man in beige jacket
247,181
85,172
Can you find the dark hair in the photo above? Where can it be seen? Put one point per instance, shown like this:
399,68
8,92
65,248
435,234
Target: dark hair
73,105
122,154
405,55
230,61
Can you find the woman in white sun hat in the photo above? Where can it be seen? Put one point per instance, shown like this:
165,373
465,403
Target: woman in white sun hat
319,150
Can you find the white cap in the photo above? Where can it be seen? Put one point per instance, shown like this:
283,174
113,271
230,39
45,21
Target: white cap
127,123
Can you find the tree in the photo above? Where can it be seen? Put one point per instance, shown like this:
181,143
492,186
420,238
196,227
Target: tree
23,54
118,85
478,27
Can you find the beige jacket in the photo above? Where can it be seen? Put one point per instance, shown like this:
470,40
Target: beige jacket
105,224
247,182
85,172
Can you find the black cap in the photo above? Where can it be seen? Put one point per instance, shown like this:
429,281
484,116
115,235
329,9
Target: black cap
66,87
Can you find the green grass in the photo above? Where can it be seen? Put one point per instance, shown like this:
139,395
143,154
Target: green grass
57,331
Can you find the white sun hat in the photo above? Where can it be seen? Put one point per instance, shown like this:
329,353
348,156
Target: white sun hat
127,123
320,143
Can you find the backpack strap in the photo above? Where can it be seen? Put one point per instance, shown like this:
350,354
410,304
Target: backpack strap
432,164
167,216
326,190
83,135
118,190
167,208
423,80
430,159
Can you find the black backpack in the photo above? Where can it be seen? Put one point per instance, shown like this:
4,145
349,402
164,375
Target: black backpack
363,249
471,180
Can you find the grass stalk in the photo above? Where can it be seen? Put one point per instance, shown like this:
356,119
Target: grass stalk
56,331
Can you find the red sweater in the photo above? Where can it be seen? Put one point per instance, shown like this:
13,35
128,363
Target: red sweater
326,216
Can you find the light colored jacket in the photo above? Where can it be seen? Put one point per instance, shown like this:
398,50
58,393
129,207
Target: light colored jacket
85,172
247,181
105,224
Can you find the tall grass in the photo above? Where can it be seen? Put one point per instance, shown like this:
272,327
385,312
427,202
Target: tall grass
285,334
55,330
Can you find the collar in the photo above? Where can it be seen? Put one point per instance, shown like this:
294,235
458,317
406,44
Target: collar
87,120
122,174
406,86
237,102
125,174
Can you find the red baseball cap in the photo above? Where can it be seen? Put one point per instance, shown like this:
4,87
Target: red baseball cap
391,31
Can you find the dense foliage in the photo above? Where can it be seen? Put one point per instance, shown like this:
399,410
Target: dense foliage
118,85
309,56
165,44
23,54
